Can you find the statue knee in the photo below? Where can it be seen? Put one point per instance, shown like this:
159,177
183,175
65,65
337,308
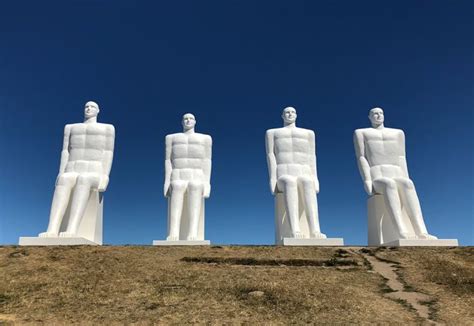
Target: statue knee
194,186
66,179
306,182
286,182
178,186
84,181
407,184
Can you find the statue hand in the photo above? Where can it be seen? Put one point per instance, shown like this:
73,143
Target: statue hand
207,190
316,186
104,182
273,186
166,189
368,186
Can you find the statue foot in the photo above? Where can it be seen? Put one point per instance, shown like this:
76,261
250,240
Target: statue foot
67,235
427,236
298,235
48,235
191,238
172,238
405,235
318,235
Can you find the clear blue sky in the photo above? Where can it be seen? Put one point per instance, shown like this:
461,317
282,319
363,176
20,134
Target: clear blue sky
236,65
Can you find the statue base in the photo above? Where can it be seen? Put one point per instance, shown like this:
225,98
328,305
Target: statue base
37,241
422,243
181,242
312,242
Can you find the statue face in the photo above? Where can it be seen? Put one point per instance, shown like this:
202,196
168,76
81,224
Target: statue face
376,116
189,121
289,115
91,109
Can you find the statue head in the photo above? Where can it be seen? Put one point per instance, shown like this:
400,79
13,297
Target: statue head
91,109
189,121
289,115
376,116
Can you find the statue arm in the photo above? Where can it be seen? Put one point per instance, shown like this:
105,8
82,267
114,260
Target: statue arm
362,163
168,166
314,170
402,158
271,160
65,151
207,166
108,157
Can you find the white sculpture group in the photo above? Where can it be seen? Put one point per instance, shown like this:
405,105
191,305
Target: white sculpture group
394,210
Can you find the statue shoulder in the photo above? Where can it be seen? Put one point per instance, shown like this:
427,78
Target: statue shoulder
271,132
307,131
362,130
203,137
399,131
395,131
171,136
108,126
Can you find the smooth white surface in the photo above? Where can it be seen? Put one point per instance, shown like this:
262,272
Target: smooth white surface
181,242
291,158
312,242
37,241
86,160
187,181
422,243
381,227
394,213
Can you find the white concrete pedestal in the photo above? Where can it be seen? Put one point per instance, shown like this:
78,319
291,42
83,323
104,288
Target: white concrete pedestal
312,242
422,243
90,228
181,243
37,241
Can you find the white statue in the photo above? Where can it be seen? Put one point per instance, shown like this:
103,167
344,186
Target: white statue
291,158
86,160
382,163
187,181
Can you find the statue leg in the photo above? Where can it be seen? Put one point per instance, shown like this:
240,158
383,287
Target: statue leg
178,188
62,193
80,197
411,202
195,195
306,186
388,188
289,187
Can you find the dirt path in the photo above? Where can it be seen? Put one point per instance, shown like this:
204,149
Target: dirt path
413,298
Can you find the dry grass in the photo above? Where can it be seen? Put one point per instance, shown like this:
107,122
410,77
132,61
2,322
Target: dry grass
447,274
176,285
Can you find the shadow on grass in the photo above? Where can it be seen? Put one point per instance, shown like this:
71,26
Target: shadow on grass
271,262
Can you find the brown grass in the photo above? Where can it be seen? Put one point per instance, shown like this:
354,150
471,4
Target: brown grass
447,274
176,285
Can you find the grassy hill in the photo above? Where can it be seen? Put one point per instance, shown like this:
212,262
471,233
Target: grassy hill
236,284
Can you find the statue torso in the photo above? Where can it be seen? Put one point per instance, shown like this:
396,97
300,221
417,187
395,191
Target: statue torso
293,151
87,143
383,149
188,155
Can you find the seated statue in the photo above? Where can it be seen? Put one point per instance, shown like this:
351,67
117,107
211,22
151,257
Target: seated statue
86,160
382,163
187,181
291,158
